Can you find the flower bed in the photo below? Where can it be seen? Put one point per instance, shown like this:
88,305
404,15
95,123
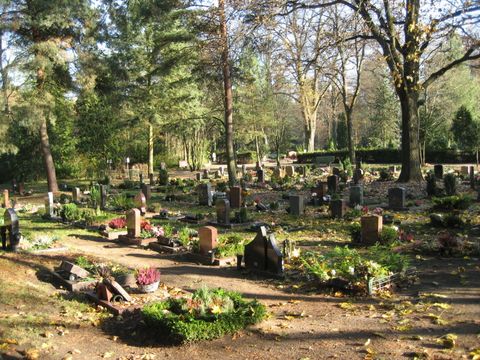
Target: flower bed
207,314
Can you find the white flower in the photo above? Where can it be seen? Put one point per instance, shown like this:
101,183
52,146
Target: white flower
351,270
333,272
395,228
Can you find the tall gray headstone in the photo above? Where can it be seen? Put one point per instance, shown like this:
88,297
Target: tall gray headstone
297,205
332,183
205,195
356,195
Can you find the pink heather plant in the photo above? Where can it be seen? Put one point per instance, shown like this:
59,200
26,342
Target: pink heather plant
147,276
118,223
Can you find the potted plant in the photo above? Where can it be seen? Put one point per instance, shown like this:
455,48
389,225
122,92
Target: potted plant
148,279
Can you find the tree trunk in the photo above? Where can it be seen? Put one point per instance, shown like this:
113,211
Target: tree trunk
310,130
228,100
351,140
47,158
150,149
411,169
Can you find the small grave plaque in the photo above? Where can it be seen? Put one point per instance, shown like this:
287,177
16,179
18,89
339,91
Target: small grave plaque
133,223
208,237
205,194
338,208
278,173
223,211
396,198
372,226
297,206
235,197
356,195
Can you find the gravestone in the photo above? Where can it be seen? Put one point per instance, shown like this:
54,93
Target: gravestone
392,169
21,188
103,196
223,211
205,195
152,181
356,195
261,175
358,175
198,176
332,184
258,165
321,189
206,174
244,170
472,177
235,197
134,219
147,191
464,170
208,238
6,199
396,198
297,205
49,204
76,195
218,174
372,226
14,186
438,171
278,173
140,202
290,170
338,208
336,171
263,254
72,269
12,226
222,170
302,170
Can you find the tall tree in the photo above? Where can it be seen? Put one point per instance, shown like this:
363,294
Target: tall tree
407,32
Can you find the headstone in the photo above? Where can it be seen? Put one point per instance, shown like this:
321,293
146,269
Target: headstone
332,184
358,175
151,177
133,223
73,269
278,173
297,206
338,208
206,174
396,198
261,175
244,170
76,195
464,170
218,174
321,189
12,225
198,176
141,178
208,238
392,169
6,199
147,191
438,170
21,188
290,170
356,195
336,171
472,177
205,195
263,254
372,226
140,202
103,196
117,289
235,197
223,211
302,170
49,204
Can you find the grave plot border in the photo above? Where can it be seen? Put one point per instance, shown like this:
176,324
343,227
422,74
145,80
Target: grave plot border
73,286
385,282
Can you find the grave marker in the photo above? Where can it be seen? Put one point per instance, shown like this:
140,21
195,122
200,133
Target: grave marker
205,195
147,191
438,170
338,208
235,197
332,184
134,219
263,254
396,198
223,211
208,238
103,196
261,176
290,170
472,177
49,204
372,226
140,202
297,205
6,199
12,226
76,195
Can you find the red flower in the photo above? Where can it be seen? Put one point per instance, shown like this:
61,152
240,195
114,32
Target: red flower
118,223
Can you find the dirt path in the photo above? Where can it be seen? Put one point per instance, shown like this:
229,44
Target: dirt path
302,326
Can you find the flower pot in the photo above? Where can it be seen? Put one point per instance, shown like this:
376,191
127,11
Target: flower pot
149,288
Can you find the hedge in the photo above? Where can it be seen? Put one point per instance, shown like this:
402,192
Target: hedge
392,156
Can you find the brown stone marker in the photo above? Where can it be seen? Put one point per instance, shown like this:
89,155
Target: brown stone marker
6,199
235,197
372,226
117,289
133,223
208,236
140,202
103,293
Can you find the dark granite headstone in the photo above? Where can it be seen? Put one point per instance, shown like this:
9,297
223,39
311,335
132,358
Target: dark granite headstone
396,198
205,195
438,171
297,206
223,211
12,225
263,254
338,208
261,176
235,197
472,177
147,191
332,183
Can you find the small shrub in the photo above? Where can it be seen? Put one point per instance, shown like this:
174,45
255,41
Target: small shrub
449,203
274,205
388,235
207,315
84,263
185,236
385,175
127,185
355,230
230,246
431,184
121,202
70,212
221,186
450,183
242,215
453,221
